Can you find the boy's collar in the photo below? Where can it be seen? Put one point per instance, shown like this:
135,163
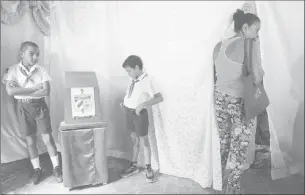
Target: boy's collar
23,67
141,76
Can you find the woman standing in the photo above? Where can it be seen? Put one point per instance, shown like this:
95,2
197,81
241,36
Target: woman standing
234,131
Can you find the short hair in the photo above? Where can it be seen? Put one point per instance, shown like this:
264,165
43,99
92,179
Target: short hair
240,18
27,44
132,61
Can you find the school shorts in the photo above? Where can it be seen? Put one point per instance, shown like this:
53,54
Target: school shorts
136,123
34,116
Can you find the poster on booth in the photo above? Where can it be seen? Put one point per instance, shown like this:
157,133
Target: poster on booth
83,103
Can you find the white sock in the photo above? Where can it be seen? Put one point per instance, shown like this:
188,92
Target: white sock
55,161
35,163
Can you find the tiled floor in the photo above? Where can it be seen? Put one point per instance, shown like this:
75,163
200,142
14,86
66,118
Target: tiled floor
14,179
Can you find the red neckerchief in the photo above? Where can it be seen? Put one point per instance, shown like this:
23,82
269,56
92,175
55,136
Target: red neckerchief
134,81
28,76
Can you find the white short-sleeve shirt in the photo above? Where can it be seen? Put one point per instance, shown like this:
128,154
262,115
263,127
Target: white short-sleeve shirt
143,91
26,79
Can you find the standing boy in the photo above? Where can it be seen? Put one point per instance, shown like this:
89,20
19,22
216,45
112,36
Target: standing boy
29,84
140,94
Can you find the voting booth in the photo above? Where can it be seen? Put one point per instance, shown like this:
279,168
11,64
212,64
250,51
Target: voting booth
82,134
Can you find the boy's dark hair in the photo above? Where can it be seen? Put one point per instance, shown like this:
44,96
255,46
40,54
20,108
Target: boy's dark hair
133,60
240,18
26,44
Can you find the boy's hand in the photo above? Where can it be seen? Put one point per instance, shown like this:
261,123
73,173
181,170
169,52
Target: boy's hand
14,84
139,109
121,106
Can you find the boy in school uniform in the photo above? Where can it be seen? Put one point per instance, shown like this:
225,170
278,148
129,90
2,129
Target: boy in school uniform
29,84
140,94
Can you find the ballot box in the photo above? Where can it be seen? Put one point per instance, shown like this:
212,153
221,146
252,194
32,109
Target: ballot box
81,98
82,134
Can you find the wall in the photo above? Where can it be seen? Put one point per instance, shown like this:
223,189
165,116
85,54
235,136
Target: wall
11,38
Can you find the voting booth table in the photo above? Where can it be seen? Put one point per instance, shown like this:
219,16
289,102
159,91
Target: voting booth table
82,134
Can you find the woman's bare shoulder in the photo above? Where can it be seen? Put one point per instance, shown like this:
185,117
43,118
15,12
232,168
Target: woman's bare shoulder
235,50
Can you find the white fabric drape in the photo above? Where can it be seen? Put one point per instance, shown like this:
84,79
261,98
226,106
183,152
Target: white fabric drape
175,41
98,36
175,51
280,48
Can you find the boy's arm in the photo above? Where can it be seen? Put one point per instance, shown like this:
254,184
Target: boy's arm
157,98
44,91
13,89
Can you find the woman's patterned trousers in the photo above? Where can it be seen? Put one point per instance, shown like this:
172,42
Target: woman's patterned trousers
234,135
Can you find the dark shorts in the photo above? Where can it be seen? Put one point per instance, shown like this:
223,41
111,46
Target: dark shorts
34,116
136,123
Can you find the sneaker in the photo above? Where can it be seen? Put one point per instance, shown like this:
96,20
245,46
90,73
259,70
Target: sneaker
150,175
36,176
132,169
57,174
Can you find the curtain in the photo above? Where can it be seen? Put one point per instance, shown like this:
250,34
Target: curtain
177,53
13,145
98,36
282,53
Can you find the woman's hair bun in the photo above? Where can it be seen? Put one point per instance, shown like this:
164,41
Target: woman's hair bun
238,15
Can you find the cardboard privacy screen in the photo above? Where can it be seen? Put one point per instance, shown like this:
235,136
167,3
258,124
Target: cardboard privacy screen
82,98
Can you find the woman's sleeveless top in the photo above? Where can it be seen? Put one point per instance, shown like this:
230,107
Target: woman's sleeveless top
228,73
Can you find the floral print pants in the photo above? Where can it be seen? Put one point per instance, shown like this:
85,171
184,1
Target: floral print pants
234,135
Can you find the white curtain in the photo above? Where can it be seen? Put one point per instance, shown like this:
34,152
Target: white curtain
281,38
175,41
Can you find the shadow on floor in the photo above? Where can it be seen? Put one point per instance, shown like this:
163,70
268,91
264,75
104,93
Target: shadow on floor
15,176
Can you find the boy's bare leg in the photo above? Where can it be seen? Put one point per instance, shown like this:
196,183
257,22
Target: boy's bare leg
32,146
150,175
52,150
147,149
135,146
133,168
50,143
33,152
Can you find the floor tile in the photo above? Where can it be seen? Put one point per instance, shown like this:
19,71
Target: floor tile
252,182
289,185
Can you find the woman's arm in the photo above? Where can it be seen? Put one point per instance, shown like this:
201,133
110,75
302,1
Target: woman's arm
215,54
257,70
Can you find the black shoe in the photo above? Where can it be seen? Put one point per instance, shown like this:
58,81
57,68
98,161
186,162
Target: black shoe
132,169
36,176
57,174
150,175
